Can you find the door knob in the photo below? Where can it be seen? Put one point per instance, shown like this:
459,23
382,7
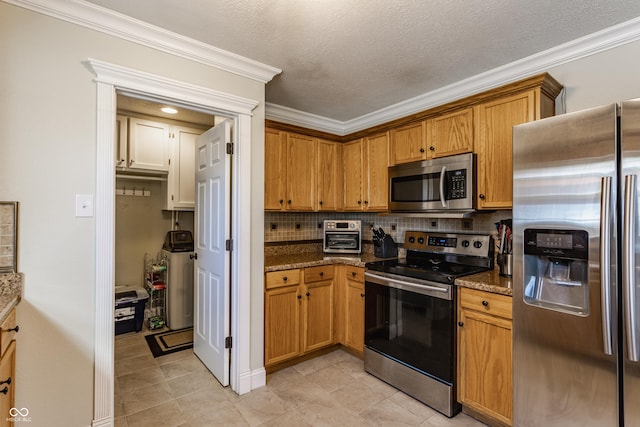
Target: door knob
193,255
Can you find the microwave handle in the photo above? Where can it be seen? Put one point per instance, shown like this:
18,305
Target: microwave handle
442,177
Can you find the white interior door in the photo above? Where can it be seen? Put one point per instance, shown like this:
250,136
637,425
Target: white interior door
212,265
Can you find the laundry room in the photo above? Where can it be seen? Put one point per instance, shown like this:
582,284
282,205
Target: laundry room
154,214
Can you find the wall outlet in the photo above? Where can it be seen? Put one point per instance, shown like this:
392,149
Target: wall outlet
393,227
433,223
467,224
274,226
297,226
320,225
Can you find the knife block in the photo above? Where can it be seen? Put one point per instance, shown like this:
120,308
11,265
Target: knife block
386,248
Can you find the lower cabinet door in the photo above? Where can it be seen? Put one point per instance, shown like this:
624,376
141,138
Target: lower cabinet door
7,383
282,324
354,318
318,315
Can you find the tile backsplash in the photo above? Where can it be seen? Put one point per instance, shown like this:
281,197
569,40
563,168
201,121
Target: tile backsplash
287,227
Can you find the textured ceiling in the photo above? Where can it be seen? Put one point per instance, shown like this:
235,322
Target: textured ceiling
342,59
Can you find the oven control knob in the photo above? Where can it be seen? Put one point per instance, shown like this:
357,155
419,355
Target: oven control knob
420,240
477,244
465,243
412,239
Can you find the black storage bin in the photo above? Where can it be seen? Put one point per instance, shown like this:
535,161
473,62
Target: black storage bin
129,310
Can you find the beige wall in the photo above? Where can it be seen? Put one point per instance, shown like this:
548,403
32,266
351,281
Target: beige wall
47,156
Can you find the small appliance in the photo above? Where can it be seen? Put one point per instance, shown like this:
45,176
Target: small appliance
342,236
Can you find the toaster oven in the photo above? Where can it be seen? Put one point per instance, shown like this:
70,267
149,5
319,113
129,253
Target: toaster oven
342,237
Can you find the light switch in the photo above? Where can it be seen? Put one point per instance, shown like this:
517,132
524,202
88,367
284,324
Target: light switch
84,205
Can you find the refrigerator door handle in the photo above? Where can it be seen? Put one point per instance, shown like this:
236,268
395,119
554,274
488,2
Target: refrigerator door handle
628,267
605,264
442,177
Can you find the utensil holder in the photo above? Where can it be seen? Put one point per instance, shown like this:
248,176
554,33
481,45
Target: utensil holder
386,248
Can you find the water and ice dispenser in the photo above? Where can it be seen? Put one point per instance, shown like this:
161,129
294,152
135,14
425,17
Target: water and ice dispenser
556,266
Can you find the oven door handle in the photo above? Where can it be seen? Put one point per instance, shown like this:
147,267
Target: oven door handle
408,286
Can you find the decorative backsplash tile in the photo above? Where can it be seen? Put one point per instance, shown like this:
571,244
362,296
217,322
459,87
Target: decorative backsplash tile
287,227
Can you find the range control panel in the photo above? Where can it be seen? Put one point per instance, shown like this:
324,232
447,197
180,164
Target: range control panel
457,243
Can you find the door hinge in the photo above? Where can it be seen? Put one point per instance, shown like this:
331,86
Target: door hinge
229,148
229,244
228,341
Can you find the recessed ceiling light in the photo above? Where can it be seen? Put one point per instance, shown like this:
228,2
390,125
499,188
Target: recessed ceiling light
169,110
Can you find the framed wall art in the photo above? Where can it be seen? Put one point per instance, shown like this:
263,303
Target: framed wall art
8,237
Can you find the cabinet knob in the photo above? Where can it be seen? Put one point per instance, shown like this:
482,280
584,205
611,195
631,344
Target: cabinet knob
299,296
321,273
460,324
485,303
308,293
359,202
284,279
362,295
16,329
366,202
320,202
432,148
289,201
481,196
281,201
422,150
353,273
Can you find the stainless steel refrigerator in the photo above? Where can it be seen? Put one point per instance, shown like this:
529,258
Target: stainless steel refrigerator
576,246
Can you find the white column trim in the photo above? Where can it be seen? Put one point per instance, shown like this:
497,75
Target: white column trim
109,78
105,256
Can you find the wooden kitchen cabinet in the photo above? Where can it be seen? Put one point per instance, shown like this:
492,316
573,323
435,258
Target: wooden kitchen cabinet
450,134
409,143
354,309
330,181
366,182
8,330
485,354
318,307
494,142
299,312
282,314
290,171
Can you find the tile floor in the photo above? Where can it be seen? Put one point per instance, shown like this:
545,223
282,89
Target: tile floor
331,390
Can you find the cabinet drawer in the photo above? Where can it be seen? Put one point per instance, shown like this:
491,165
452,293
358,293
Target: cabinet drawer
486,302
314,274
355,273
276,279
7,331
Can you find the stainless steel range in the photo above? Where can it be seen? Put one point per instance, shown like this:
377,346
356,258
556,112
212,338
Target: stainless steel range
410,314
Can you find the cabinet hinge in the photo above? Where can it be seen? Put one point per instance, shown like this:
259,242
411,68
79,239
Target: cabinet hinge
169,162
229,148
229,244
228,341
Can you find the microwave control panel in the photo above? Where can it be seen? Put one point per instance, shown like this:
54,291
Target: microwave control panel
457,188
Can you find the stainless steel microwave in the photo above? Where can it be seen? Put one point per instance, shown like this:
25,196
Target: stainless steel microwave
445,184
342,237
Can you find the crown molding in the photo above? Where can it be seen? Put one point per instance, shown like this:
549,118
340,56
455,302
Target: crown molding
591,44
118,25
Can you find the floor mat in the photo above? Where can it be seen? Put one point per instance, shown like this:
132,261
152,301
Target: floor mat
170,341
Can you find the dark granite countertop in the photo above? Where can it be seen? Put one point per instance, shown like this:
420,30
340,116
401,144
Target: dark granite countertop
489,281
312,259
10,293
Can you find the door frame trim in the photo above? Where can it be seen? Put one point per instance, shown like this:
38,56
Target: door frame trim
111,78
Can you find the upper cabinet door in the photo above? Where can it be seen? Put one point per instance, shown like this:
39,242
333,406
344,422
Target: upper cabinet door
495,120
275,176
301,172
450,134
181,194
329,176
353,166
408,143
377,194
148,145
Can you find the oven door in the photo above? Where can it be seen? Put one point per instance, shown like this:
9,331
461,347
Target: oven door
412,322
342,242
